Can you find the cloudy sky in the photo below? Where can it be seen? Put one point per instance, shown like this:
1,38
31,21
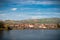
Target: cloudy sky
29,9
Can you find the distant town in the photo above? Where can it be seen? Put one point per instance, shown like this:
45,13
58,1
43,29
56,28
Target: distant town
27,24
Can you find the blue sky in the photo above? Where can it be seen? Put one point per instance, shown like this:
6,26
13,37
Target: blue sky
29,9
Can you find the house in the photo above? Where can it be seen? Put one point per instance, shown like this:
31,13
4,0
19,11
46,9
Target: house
42,26
31,26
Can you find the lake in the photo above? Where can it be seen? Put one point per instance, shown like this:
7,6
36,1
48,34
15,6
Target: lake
30,34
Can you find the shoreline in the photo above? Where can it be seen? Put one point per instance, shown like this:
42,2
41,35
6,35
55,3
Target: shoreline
33,29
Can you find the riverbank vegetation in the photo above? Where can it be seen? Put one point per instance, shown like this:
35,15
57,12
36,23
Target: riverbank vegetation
47,23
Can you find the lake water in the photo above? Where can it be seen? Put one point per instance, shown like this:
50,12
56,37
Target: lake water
30,35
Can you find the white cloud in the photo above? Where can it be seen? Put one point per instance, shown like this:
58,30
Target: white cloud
14,9
38,17
2,15
45,2
37,2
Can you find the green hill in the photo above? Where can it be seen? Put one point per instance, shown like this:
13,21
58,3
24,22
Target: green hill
44,20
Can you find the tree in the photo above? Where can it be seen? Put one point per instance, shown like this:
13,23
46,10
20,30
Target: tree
58,25
1,24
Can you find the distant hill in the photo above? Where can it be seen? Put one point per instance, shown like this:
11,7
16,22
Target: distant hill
43,20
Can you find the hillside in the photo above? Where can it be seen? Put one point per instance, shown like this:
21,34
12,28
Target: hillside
48,23
45,20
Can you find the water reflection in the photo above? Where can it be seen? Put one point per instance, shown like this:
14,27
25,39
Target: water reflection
1,35
30,35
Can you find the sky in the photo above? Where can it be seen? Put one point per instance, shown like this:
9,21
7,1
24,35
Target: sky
29,9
